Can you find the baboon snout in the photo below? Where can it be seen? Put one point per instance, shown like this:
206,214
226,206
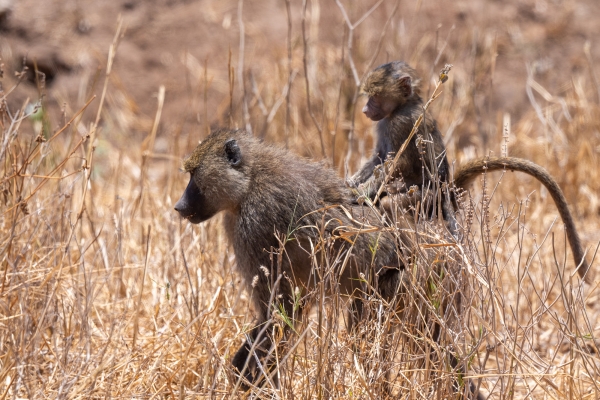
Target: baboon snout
181,206
190,200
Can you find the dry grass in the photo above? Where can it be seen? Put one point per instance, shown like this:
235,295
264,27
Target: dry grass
106,293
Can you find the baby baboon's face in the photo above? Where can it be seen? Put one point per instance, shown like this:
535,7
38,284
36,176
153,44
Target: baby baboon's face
389,87
377,108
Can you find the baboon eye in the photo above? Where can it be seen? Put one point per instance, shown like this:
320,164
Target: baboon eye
232,150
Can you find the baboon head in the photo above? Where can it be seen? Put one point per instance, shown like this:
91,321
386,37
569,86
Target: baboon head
218,176
389,86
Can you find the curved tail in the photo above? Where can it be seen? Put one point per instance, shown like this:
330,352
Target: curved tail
473,169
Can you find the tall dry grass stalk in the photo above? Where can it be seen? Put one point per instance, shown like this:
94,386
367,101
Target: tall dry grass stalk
106,293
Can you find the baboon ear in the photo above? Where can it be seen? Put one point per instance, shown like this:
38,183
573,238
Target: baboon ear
405,85
234,155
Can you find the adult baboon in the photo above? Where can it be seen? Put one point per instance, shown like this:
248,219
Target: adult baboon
277,203
395,103
266,191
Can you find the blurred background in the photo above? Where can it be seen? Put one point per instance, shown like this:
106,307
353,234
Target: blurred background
188,46
107,293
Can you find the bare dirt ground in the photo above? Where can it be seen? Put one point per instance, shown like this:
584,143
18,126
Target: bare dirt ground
106,293
71,40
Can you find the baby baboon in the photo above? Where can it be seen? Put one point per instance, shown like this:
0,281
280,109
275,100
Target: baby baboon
264,192
395,102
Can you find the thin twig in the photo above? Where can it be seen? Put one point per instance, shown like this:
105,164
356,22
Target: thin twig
241,81
288,104
138,307
307,78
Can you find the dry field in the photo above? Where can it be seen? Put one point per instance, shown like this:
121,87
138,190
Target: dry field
106,293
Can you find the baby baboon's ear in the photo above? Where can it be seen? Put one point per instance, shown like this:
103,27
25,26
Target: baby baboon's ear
404,84
234,154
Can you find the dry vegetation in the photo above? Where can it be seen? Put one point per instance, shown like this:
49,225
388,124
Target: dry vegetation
106,293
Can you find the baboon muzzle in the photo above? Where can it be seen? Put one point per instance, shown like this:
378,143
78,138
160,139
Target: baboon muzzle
191,204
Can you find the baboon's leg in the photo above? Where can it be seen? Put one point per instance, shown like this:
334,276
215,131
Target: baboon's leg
243,363
259,346
456,384
255,347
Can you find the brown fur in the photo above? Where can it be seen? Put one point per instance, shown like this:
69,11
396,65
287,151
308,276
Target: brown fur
380,81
